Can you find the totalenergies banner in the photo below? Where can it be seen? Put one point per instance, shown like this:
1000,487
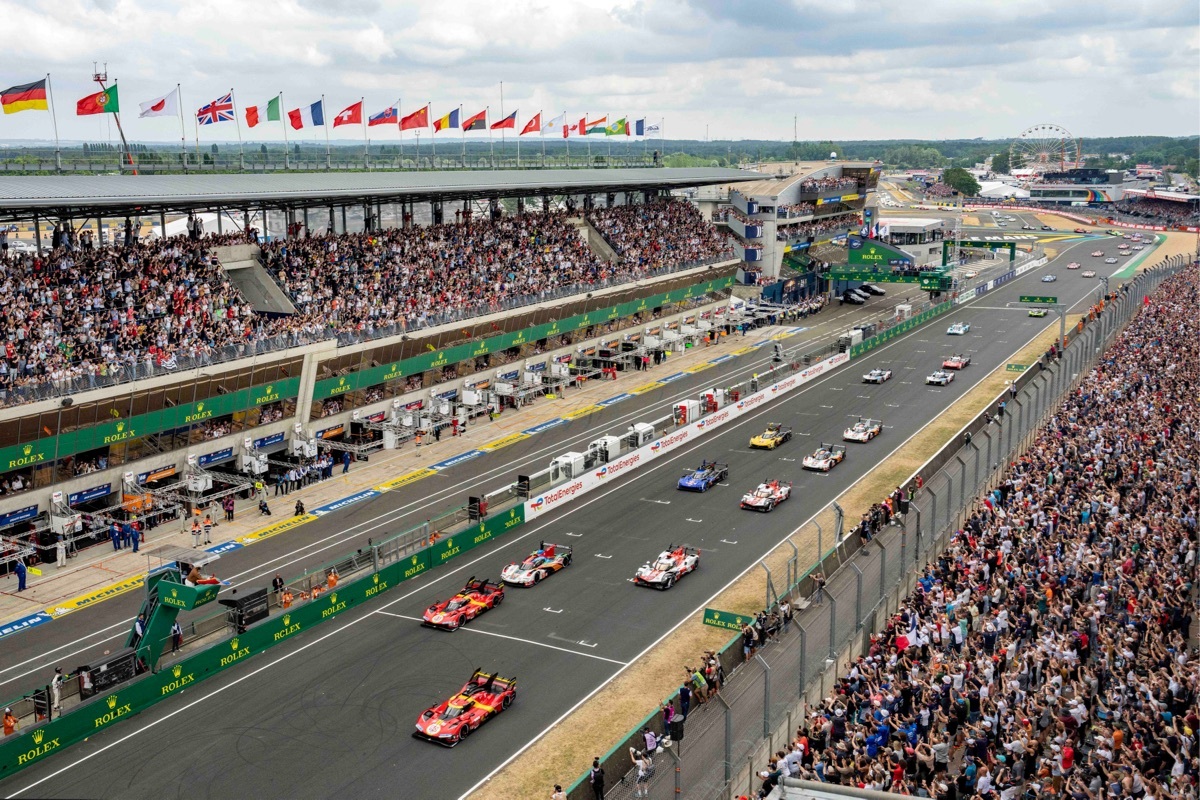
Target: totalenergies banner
560,495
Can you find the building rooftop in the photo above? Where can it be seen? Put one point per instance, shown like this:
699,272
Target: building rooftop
788,173
121,194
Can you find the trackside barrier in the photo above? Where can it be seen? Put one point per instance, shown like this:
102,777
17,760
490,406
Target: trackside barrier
762,700
673,440
96,714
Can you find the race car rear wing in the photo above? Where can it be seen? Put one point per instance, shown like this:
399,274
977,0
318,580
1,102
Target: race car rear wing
838,448
713,465
499,683
870,422
558,548
687,548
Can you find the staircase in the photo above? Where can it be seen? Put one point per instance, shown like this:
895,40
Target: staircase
596,241
159,621
243,265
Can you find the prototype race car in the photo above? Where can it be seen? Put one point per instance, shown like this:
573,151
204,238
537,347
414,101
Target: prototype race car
1097,253
1114,232
940,378
768,495
708,475
1139,247
1037,312
1081,230
1047,228
481,698
958,329
956,361
542,563
970,274
863,431
1049,278
877,375
775,435
1073,265
671,565
476,597
826,457
1110,261
1091,273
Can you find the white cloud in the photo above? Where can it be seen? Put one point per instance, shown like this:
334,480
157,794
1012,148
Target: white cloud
869,69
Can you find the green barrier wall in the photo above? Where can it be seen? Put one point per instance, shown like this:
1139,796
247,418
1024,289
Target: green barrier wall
98,713
867,345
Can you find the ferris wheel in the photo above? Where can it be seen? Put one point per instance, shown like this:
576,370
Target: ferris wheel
1044,148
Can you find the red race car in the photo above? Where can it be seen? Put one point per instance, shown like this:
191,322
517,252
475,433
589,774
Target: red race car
483,697
475,598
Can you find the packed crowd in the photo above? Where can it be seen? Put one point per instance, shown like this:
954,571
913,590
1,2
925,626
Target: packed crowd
841,222
662,233
1046,652
1158,212
940,190
790,210
88,313
826,184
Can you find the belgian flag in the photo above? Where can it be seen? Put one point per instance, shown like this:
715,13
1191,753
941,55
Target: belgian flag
28,97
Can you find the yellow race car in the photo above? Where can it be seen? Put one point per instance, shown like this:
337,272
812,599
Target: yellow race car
775,435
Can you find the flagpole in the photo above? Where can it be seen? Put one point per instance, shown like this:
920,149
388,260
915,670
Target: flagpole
491,147
287,164
399,123
325,123
54,122
502,129
463,131
518,137
197,121
238,124
567,139
182,130
362,112
432,136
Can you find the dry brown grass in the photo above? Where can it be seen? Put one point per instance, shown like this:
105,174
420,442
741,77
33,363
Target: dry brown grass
598,725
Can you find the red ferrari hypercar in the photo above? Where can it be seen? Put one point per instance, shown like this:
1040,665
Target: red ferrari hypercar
483,697
475,598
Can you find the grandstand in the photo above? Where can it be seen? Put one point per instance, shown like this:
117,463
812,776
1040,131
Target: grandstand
150,376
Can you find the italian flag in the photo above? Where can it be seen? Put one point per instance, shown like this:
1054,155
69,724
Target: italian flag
264,113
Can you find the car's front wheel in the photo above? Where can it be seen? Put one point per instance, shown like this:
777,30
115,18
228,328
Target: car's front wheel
464,733
669,582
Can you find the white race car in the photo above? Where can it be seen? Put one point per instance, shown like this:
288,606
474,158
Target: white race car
1073,265
1097,253
863,431
958,329
1110,261
671,565
877,376
1091,273
940,378
545,561
826,457
1139,247
768,495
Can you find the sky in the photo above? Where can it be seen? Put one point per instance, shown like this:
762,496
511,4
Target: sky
842,69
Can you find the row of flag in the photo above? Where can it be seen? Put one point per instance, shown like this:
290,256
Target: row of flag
33,97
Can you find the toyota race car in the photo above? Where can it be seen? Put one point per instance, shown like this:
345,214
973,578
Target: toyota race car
940,378
863,431
671,565
768,495
775,435
483,697
1081,230
708,475
475,598
1073,265
1110,261
1038,312
956,361
1097,253
877,376
544,562
826,457
958,329
1091,273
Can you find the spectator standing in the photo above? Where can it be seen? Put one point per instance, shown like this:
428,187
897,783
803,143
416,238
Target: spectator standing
56,684
20,568
596,779
10,722
176,637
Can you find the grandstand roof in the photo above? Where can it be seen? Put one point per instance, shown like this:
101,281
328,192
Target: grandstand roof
788,173
121,194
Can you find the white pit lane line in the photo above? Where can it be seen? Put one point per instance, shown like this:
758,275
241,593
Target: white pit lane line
518,639
502,544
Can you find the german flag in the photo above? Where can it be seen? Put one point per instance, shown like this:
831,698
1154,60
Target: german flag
29,97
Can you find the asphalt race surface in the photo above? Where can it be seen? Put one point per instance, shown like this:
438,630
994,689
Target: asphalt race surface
332,711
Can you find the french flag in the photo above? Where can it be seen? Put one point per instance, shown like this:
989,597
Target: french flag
308,116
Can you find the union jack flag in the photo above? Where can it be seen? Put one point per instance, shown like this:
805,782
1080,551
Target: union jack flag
219,110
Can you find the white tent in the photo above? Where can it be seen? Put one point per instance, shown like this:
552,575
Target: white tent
998,189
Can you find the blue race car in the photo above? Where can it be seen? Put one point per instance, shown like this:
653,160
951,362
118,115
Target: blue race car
708,475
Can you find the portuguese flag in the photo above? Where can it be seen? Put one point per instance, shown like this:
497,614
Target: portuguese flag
104,102
28,97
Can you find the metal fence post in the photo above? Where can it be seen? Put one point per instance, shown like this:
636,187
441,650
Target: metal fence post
803,659
820,547
858,584
949,499
728,741
882,565
766,696
933,523
839,518
962,493
832,625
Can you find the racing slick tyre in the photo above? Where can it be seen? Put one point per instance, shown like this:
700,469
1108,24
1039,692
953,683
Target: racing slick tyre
499,599
724,476
464,733
567,561
770,506
537,578
508,698
669,582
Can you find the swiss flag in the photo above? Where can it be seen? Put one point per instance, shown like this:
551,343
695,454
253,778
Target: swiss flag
351,115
